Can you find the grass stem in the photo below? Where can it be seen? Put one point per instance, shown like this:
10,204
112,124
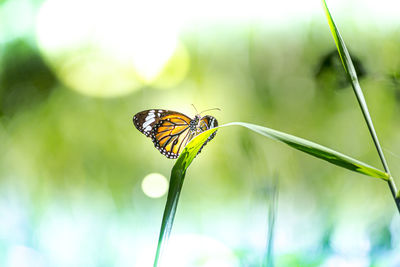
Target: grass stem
352,76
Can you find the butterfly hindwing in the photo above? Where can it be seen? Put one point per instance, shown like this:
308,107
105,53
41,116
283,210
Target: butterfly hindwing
206,123
171,133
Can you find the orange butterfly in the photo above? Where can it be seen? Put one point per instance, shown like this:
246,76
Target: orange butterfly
170,131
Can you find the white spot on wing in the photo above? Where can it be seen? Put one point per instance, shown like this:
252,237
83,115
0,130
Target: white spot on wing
148,122
148,128
150,116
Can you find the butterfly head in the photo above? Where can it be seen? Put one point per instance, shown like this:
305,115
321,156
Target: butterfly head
195,123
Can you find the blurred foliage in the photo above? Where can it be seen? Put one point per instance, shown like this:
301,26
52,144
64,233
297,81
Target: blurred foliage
25,78
331,67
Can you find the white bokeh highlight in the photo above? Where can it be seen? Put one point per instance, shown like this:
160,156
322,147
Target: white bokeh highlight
154,185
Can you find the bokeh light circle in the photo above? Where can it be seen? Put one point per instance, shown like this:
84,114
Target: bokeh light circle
154,185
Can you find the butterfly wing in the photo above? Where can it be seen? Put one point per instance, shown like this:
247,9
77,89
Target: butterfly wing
169,130
172,134
145,120
207,122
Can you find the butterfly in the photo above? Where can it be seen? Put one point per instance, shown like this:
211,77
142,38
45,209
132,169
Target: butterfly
170,131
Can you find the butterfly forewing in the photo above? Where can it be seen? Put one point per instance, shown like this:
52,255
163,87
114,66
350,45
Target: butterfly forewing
170,131
145,120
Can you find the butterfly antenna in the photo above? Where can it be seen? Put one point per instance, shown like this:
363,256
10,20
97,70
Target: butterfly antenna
195,109
210,109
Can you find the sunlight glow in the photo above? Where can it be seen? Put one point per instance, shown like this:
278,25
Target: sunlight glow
94,74
110,48
21,256
66,239
120,46
343,261
154,185
351,239
137,32
384,12
191,250
12,225
55,28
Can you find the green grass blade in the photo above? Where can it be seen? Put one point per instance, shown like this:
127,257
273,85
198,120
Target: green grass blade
352,76
175,185
189,153
316,150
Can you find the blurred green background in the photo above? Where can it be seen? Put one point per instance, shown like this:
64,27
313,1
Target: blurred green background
80,186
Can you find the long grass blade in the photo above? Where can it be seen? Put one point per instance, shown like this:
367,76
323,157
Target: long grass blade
175,185
189,153
315,150
352,76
